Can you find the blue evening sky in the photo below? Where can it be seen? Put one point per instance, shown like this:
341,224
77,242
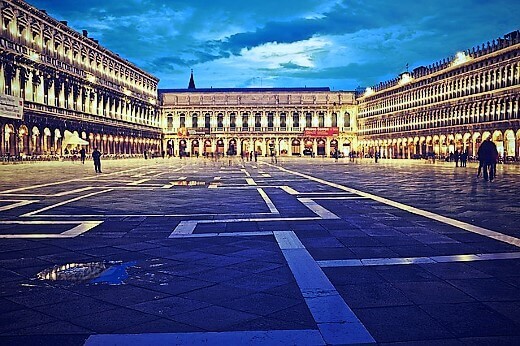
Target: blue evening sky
339,44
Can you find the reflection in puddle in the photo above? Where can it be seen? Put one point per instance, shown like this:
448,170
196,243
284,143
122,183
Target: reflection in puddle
113,273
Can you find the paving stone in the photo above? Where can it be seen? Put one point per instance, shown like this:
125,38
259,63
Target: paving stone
472,320
234,284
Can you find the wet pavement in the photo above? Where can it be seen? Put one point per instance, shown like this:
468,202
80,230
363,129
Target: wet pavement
303,252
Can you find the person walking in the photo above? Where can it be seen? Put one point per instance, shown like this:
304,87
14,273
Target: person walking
96,156
456,157
83,155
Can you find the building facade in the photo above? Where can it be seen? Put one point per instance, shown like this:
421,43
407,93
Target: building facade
57,84
451,105
281,121
58,87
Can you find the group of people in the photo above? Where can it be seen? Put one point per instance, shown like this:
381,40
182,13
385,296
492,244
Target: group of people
462,157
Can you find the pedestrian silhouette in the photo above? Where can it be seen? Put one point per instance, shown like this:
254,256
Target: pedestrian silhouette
83,155
96,156
488,156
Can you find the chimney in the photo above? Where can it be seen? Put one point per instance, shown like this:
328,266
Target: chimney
64,22
85,33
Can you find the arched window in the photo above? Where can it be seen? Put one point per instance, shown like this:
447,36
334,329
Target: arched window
346,119
296,120
321,119
334,119
195,120
308,120
283,120
169,122
270,120
258,120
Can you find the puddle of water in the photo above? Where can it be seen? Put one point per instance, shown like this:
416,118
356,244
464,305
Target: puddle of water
113,273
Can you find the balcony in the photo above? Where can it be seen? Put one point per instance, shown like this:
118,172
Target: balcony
42,109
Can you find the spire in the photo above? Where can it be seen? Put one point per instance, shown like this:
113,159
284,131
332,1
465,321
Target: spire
192,82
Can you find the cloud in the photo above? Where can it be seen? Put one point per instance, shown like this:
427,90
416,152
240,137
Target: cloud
285,43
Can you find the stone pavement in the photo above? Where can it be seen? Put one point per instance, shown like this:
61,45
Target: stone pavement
303,252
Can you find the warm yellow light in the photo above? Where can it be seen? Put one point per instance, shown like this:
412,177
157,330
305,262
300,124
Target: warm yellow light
127,92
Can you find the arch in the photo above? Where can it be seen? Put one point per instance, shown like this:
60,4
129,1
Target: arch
296,147
258,143
232,147
195,148
9,140
283,146
23,144
510,147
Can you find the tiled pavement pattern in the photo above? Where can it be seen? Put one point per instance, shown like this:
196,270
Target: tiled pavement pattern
232,252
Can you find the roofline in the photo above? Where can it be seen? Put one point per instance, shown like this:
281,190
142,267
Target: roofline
241,90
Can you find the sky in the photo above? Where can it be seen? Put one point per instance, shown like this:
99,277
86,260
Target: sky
339,44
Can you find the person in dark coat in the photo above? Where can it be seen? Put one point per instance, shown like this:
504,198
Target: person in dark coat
96,156
463,158
488,155
83,155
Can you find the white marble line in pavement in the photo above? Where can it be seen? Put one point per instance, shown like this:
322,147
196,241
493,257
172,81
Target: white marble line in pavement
66,181
318,209
417,260
20,203
443,219
137,182
32,213
187,227
259,338
289,190
82,227
336,321
139,215
224,234
250,181
270,204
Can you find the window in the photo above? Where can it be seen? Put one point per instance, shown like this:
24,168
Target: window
207,121
308,120
346,120
296,120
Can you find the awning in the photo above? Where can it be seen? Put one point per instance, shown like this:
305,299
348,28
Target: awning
73,139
